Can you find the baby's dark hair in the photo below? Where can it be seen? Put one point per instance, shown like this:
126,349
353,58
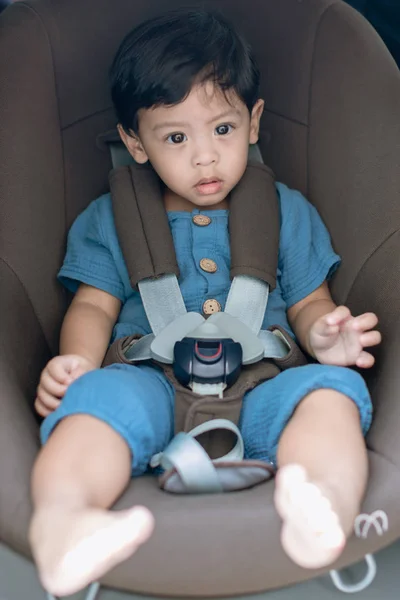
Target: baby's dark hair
159,61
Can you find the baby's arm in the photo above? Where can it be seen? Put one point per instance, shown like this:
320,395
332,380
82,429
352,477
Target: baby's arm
330,333
85,336
88,324
303,314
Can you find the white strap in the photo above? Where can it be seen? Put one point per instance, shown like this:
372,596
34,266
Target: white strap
162,301
191,461
244,313
247,301
140,349
275,345
255,153
237,452
119,154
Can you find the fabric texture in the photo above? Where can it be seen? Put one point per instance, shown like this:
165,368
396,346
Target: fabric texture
138,401
306,259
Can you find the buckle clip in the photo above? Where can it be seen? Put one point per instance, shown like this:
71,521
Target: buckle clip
207,361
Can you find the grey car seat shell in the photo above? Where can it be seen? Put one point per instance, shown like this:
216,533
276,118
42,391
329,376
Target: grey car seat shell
331,128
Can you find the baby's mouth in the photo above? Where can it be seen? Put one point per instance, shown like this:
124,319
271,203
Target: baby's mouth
209,185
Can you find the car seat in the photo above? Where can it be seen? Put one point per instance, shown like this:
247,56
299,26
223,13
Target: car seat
331,128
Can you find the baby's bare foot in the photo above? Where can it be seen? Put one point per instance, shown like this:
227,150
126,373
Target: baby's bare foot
73,548
311,533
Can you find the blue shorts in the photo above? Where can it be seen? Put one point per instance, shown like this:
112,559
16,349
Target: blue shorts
138,403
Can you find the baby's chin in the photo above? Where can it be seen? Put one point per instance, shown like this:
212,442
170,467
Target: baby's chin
174,201
210,202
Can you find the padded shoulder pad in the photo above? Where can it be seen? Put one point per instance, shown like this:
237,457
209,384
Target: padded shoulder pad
142,223
254,225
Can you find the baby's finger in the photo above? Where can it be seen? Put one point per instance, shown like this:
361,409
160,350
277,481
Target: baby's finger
371,338
41,409
340,314
47,399
365,321
50,385
365,360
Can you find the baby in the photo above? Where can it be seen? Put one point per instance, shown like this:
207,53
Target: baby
186,91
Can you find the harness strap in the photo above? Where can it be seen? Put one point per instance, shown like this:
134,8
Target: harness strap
148,249
162,301
192,462
241,320
237,452
247,301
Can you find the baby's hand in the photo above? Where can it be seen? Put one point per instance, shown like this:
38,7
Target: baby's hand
338,338
58,374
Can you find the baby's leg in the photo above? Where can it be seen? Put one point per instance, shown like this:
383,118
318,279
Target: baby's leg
81,472
85,466
304,421
322,477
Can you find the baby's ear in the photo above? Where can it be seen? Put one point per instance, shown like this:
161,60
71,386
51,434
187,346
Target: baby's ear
133,145
255,121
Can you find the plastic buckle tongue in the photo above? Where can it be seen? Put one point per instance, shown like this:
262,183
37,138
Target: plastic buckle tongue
208,389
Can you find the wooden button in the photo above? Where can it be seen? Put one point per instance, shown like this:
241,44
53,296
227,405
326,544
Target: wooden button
208,265
211,306
201,220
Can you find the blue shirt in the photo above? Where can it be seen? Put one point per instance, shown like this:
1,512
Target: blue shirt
305,260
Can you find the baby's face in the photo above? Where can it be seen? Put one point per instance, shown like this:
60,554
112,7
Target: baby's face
198,147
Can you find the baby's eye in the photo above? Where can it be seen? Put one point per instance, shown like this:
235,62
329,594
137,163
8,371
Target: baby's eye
176,138
223,129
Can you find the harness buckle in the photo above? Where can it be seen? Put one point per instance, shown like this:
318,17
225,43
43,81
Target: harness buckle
199,361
